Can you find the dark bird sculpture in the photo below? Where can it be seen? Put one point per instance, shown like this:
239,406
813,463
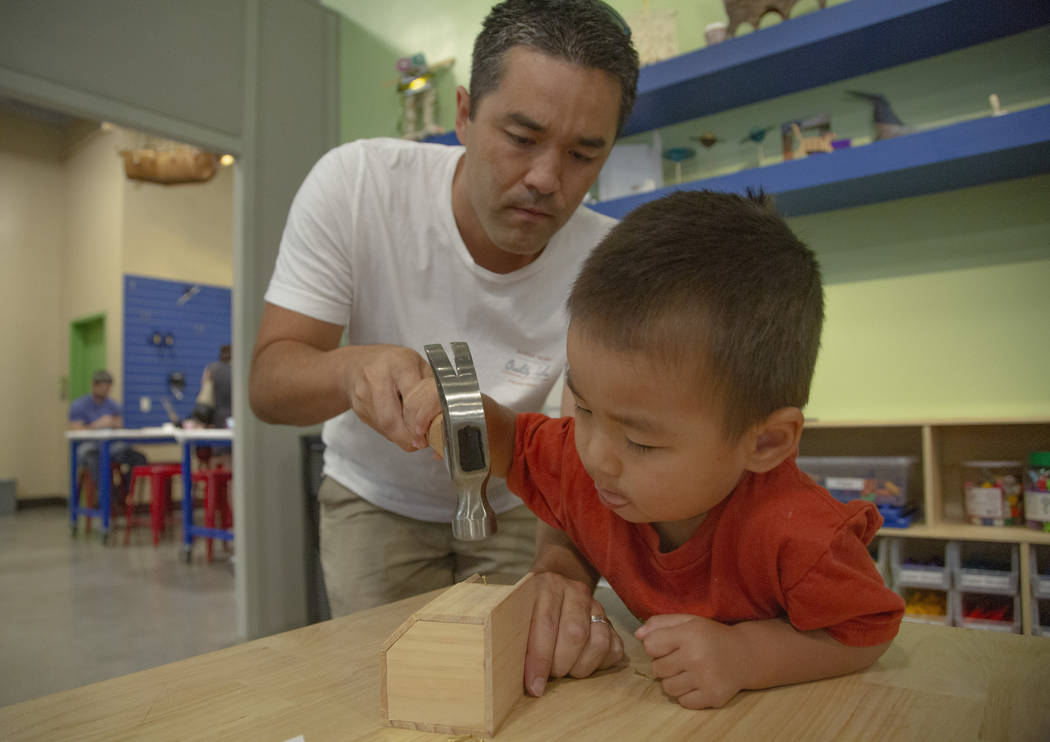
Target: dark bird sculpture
708,139
757,134
887,123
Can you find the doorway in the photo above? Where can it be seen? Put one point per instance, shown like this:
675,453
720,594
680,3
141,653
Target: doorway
87,352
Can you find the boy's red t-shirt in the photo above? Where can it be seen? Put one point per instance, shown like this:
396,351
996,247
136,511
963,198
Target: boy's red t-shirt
778,546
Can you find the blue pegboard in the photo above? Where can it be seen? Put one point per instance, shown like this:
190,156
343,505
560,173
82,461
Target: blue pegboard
196,318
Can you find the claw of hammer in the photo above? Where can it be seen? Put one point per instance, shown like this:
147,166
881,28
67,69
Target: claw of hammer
466,439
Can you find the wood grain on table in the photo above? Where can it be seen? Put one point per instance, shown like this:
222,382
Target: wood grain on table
322,682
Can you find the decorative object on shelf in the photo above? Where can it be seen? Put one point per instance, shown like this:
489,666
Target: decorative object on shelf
709,139
798,140
416,88
715,33
887,123
752,11
805,146
678,155
758,136
170,164
993,101
654,33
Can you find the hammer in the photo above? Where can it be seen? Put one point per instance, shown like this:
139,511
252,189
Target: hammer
466,440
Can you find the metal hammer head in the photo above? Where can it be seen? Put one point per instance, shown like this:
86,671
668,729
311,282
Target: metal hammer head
466,440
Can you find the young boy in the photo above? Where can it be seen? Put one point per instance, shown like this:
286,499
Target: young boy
694,329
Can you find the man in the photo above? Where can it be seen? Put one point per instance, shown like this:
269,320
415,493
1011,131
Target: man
96,411
214,403
406,244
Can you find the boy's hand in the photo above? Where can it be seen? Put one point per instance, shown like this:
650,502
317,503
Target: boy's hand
562,638
700,662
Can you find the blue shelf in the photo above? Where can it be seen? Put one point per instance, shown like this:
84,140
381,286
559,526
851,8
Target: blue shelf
825,46
970,153
449,137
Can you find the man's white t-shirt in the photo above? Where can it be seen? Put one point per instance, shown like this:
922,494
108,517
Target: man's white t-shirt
371,243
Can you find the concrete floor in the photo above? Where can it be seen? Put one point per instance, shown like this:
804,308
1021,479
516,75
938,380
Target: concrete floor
73,611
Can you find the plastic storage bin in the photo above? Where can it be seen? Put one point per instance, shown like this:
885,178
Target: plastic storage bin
1039,571
921,563
922,605
987,568
883,480
993,492
1041,618
988,612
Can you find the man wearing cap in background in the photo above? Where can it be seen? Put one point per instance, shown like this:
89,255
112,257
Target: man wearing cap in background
95,411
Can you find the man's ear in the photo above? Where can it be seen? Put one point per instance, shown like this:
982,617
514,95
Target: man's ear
462,113
774,439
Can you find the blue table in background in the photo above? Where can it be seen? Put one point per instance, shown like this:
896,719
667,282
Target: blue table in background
105,438
189,439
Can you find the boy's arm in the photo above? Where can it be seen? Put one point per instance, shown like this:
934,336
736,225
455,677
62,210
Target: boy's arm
500,422
563,640
704,663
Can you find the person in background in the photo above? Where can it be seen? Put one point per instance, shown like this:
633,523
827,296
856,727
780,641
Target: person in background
213,409
401,244
694,330
213,406
96,411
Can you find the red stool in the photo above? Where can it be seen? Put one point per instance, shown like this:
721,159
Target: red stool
160,503
216,498
87,494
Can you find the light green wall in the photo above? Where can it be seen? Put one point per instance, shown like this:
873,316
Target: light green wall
934,307
965,343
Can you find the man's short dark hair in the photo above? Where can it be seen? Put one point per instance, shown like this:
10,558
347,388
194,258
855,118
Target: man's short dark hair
102,376
714,282
587,33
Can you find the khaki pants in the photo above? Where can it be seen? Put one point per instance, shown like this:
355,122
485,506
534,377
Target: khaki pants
371,556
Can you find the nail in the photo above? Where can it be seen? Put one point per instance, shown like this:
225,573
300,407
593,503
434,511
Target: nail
537,686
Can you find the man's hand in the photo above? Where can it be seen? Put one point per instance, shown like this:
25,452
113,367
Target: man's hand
562,638
377,383
106,421
700,662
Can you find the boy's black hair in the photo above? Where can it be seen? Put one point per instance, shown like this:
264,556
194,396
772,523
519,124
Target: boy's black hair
711,282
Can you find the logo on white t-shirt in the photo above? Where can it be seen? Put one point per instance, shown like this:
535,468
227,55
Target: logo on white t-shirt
528,369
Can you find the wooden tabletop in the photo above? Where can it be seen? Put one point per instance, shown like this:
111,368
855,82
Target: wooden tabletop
322,682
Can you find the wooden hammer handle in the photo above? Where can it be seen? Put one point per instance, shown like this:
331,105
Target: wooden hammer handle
436,435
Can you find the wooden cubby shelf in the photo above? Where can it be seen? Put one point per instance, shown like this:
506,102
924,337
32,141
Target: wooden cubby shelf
940,447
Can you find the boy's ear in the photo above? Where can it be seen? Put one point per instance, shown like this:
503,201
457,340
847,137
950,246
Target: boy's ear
774,439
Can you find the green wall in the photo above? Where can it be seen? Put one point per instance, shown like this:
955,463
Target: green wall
936,305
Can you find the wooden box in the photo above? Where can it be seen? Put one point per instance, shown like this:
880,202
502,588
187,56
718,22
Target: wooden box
457,665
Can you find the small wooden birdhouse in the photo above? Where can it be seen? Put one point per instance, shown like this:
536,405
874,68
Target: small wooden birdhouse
457,665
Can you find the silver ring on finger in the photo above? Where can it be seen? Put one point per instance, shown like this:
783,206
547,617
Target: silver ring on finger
600,619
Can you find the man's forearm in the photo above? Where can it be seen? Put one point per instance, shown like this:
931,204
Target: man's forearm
782,655
555,552
293,383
